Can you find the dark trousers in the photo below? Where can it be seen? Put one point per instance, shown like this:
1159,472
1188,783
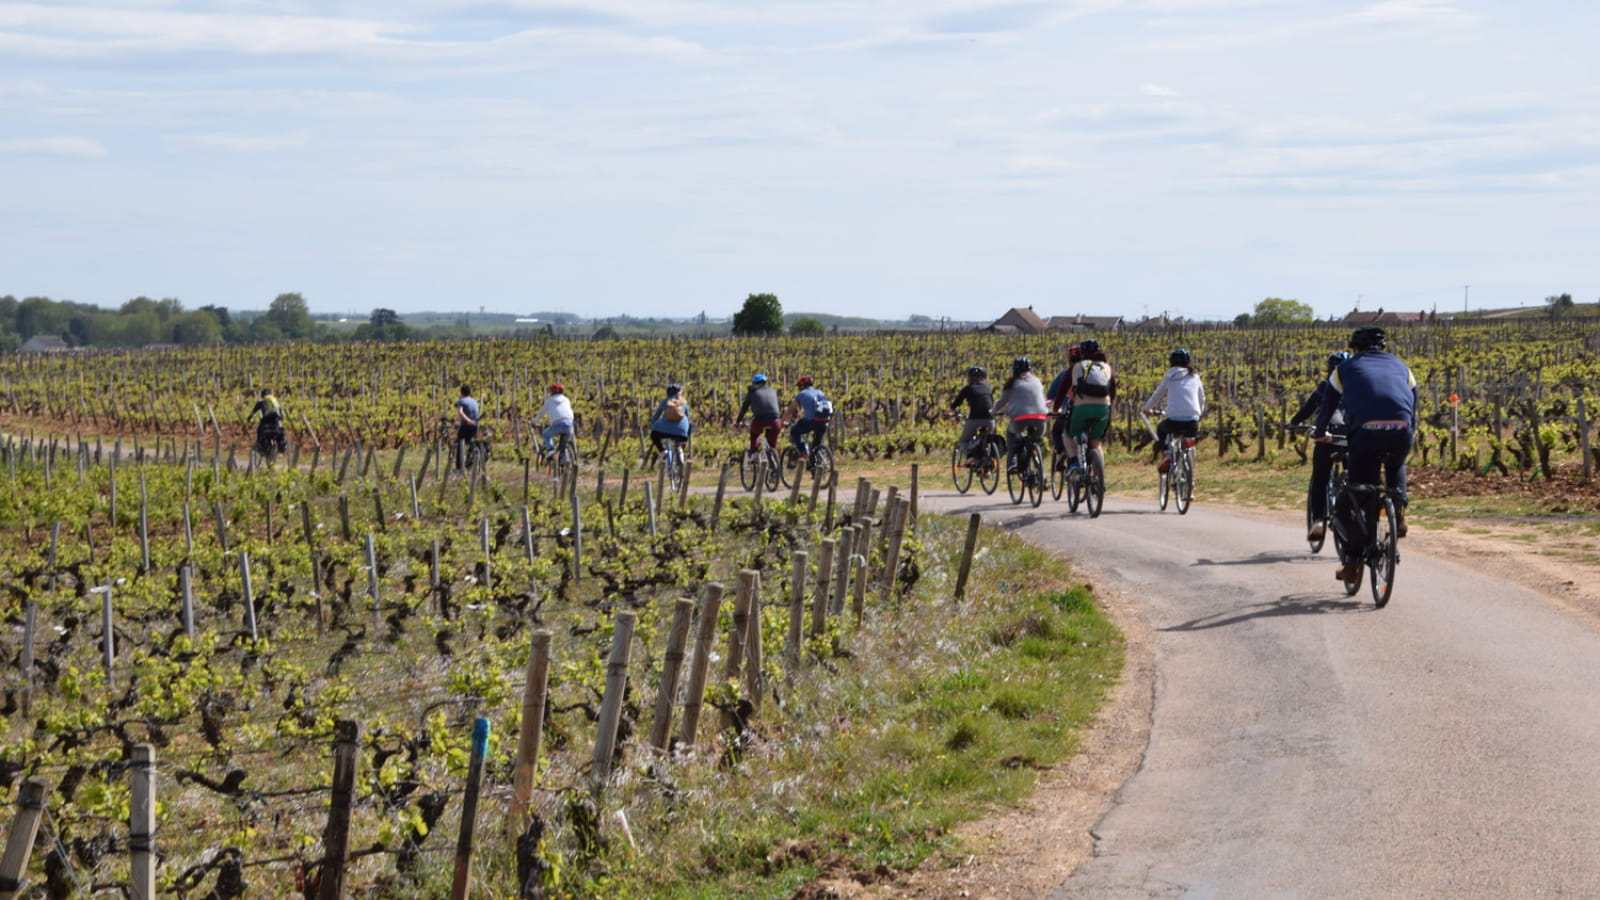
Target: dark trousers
1321,471
808,426
1168,427
1371,453
464,433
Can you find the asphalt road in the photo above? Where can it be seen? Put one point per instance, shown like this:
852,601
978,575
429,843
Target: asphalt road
1306,744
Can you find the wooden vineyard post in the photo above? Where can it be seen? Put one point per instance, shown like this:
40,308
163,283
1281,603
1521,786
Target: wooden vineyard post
1583,440
372,576
416,508
860,555
109,642
142,823
531,733
1261,434
797,608
483,547
577,532
716,506
186,599
650,507
899,516
754,670
683,484
734,658
462,881
661,489
966,555
377,508
794,488
19,843
336,836
833,490
819,601
249,594
671,666
695,695
605,741
816,490
862,488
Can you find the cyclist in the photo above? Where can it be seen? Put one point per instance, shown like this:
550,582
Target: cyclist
979,397
1092,388
670,421
813,410
270,428
1066,446
467,413
1183,396
1321,453
761,401
557,410
1021,398
1379,396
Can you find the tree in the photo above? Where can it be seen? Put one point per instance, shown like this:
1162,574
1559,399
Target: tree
1277,311
762,314
198,328
806,326
1241,320
1558,306
605,333
382,317
290,315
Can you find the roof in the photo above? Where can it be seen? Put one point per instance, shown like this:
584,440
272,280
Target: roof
1081,322
1382,317
1024,319
44,343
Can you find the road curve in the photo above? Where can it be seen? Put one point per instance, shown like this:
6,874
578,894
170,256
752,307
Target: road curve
1306,744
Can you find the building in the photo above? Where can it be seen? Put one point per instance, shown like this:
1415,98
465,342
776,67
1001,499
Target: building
1081,322
1382,317
45,343
1018,320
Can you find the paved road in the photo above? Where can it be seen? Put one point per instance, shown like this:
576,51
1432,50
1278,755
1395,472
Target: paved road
1305,744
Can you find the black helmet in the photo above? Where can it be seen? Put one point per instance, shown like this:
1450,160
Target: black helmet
1021,364
674,389
976,372
1088,346
1370,337
1178,357
1336,359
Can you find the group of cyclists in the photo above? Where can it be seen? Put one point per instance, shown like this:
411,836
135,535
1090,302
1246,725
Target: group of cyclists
1367,402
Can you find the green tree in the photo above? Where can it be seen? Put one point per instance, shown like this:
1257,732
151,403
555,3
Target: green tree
196,329
806,326
382,317
290,316
1241,320
1558,306
762,314
1278,311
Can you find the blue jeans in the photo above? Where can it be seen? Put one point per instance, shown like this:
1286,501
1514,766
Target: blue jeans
808,426
553,429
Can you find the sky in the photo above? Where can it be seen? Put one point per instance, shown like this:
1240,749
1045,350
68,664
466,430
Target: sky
882,158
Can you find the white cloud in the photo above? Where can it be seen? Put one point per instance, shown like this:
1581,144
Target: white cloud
1156,90
81,148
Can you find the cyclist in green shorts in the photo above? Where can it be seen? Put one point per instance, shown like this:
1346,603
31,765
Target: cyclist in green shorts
1093,388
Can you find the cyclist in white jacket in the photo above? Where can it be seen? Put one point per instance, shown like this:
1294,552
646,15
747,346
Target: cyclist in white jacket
1184,399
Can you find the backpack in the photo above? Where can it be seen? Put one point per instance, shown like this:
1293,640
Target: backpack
674,410
824,409
1096,379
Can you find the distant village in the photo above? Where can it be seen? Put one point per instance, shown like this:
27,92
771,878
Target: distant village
1023,320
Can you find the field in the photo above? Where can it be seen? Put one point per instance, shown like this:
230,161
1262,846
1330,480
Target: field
852,710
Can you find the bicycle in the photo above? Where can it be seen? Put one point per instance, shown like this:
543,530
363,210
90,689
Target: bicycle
1085,483
562,460
269,444
760,463
477,450
1027,480
1376,509
1336,479
819,460
1178,480
671,456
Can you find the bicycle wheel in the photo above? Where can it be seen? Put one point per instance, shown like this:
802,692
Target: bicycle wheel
1385,553
985,461
1014,483
1163,487
788,463
1035,477
1311,521
774,473
822,465
748,463
1183,479
675,468
1095,482
1057,477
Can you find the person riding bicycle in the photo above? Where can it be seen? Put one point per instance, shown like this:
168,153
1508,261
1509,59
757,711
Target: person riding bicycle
1321,453
978,395
557,411
761,401
670,421
1183,396
270,428
1092,388
1379,396
1021,398
813,410
467,414
1065,445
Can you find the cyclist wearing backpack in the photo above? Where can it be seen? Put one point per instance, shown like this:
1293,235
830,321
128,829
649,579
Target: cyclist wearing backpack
670,419
1021,398
761,401
979,397
1379,396
814,411
270,429
1321,453
1184,398
1093,387
1065,445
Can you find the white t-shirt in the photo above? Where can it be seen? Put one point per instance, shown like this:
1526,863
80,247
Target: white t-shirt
557,408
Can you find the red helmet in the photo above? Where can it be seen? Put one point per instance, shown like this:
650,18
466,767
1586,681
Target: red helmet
556,388
805,381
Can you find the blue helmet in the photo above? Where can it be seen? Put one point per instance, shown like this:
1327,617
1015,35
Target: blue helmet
1179,357
758,378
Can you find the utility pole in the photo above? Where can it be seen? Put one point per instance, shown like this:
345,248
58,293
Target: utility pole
1465,290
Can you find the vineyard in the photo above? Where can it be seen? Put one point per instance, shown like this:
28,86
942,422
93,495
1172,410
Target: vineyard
650,688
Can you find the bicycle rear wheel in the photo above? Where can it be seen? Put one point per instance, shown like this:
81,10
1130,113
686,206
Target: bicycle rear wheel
1095,482
774,473
1311,521
789,463
1183,479
1057,476
1035,480
748,464
989,455
1385,553
1164,487
1014,483
822,465
675,468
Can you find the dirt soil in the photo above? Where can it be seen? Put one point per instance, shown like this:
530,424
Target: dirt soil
1028,850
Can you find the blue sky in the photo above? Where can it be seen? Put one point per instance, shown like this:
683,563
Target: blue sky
860,157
